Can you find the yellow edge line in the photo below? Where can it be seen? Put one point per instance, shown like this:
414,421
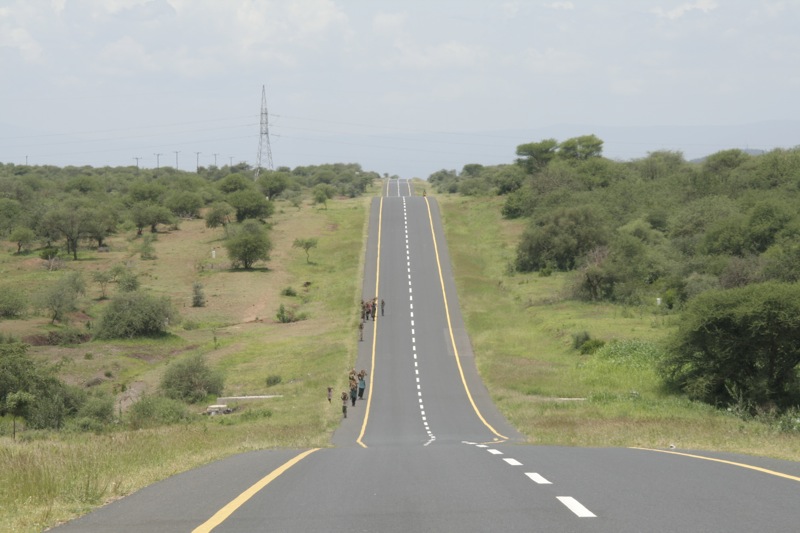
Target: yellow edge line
742,465
450,328
240,500
374,330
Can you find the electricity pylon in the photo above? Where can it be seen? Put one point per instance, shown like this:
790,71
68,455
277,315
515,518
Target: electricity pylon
263,139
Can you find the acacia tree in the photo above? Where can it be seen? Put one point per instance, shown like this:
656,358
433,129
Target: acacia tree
248,243
534,156
71,221
306,245
739,346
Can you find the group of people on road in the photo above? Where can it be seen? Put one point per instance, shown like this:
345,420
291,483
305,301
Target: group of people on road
358,383
369,309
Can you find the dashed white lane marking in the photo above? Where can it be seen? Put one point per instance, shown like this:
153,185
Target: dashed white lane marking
538,478
431,436
571,503
576,507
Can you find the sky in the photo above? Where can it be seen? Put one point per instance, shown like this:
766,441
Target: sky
401,87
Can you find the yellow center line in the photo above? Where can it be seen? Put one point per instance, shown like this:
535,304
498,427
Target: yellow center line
450,328
374,330
742,465
240,500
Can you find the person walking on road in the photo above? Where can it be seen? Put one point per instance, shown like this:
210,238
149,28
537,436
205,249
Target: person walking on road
361,331
344,404
383,304
362,384
353,393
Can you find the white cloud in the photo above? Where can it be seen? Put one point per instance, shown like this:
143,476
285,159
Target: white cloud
125,56
451,54
22,41
677,12
569,6
553,61
389,23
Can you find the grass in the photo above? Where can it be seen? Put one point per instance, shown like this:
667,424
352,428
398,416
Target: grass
522,329
50,477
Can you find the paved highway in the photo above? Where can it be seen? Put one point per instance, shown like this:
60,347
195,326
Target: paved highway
427,451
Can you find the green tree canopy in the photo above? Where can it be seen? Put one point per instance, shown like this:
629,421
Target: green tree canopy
739,346
136,314
248,243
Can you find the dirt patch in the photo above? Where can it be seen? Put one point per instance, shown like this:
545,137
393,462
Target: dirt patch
131,395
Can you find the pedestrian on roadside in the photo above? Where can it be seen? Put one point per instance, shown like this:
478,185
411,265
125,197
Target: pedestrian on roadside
362,384
353,393
361,331
383,304
330,394
344,404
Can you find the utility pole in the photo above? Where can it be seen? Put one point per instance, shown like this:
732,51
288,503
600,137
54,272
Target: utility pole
26,160
231,164
158,160
137,162
263,138
215,159
176,158
197,162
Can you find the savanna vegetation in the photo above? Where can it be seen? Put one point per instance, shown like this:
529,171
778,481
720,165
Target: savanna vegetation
715,244
643,303
130,300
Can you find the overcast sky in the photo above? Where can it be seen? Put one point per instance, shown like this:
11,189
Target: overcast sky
402,87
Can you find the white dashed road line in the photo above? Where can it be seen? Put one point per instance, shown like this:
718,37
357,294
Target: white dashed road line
576,507
571,503
431,436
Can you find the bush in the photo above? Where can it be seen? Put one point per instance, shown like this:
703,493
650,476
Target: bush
289,291
288,314
739,347
198,297
273,380
153,411
136,314
191,380
247,244
578,339
12,302
591,346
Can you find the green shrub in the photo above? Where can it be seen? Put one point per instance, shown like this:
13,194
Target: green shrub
191,380
151,411
198,297
289,291
578,339
136,314
13,302
289,314
273,380
591,346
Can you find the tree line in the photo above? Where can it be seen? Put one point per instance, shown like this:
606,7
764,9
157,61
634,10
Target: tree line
717,239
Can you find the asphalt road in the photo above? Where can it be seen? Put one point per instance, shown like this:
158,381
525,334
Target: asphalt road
427,451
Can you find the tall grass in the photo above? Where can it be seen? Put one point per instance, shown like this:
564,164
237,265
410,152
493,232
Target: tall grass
523,328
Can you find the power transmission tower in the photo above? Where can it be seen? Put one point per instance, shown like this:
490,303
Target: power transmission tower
263,138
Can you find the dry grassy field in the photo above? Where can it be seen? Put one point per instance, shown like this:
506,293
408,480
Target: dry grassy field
49,477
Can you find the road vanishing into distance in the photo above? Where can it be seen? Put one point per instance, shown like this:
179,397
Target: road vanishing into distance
426,450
